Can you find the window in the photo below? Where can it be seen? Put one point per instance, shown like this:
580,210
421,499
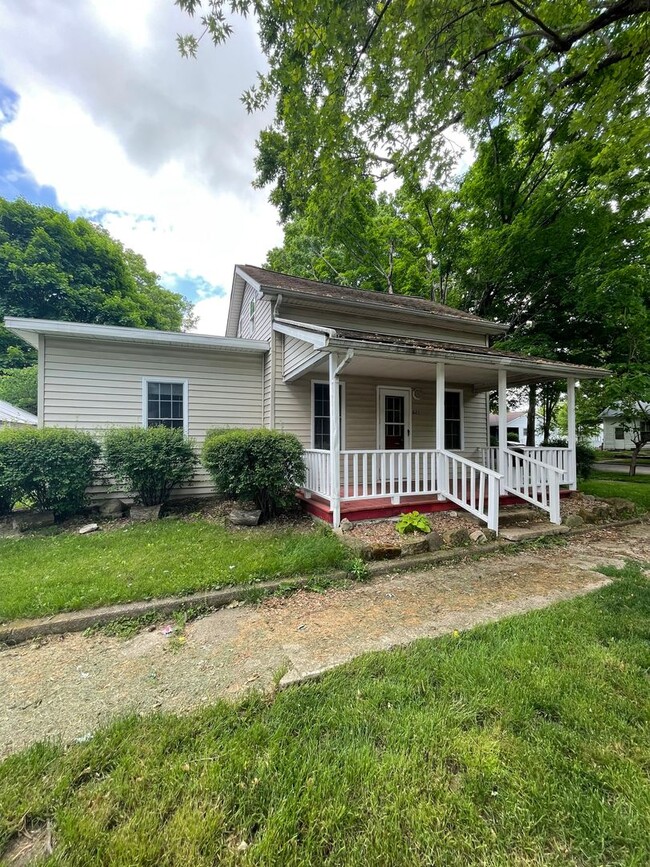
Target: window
165,403
453,420
321,414
619,433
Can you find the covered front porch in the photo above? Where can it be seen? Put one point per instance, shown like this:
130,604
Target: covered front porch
425,436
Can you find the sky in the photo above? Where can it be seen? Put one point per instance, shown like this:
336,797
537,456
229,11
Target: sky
101,117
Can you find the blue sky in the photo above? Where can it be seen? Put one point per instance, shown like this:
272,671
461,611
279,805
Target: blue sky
99,116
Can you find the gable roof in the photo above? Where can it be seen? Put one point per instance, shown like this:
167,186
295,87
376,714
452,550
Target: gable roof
511,416
11,414
276,283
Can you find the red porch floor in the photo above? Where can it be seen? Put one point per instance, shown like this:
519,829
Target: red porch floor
373,509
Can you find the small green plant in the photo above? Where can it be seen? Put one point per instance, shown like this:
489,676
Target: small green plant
358,569
149,462
412,522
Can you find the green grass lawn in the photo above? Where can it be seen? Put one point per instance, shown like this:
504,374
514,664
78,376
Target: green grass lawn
46,574
635,488
525,742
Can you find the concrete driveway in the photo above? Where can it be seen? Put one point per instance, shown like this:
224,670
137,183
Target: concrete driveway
67,686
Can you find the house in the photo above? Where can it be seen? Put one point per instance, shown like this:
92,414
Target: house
388,394
12,416
517,426
615,435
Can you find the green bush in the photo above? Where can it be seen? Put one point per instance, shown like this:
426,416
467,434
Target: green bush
149,462
263,466
585,457
412,522
51,468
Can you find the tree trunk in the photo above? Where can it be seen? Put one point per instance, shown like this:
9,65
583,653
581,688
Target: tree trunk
635,456
532,406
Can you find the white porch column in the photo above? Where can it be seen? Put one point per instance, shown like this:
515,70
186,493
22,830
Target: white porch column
572,438
443,480
503,425
335,441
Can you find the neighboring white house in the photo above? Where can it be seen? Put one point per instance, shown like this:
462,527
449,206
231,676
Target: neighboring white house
12,416
615,436
517,425
388,394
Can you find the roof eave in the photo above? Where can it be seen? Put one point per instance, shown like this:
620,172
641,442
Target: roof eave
30,329
550,369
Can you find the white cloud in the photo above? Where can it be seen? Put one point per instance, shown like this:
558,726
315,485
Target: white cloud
212,313
158,148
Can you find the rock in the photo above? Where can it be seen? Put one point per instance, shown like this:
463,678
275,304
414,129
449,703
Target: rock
345,526
621,506
245,518
24,521
144,513
478,537
88,528
452,514
112,508
420,546
573,521
435,541
456,538
381,551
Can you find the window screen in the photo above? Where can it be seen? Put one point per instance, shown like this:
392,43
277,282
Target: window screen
165,404
619,433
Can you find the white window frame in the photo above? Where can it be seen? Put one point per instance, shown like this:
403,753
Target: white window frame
461,392
407,393
312,407
167,380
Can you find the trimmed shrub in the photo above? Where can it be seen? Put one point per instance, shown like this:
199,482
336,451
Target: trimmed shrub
51,467
585,456
265,466
149,462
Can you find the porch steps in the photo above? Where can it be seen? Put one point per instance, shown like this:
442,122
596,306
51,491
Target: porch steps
533,531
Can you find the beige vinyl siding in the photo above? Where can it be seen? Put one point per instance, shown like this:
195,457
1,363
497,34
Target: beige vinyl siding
259,327
295,353
369,321
293,411
96,385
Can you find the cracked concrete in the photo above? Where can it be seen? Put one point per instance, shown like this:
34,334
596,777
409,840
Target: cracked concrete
64,687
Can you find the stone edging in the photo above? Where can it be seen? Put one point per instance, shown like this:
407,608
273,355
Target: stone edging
19,631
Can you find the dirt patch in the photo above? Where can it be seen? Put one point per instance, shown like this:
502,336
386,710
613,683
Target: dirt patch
31,844
66,687
384,532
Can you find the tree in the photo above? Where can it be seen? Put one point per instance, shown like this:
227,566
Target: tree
629,394
53,267
381,85
20,387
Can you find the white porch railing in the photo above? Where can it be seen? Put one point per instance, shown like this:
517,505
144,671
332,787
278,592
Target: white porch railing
560,458
375,474
395,474
319,477
536,482
467,485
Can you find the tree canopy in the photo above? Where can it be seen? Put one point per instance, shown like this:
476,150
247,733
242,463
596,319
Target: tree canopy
53,267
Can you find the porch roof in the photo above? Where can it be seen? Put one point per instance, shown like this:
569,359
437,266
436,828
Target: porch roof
412,357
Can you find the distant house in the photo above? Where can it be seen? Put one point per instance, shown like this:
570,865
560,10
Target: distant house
11,416
615,436
517,426
388,394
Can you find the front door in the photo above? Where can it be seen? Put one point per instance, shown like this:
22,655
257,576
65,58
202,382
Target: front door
393,418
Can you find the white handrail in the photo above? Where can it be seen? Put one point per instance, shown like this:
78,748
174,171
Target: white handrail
534,481
467,483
